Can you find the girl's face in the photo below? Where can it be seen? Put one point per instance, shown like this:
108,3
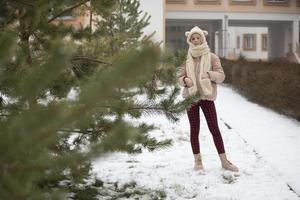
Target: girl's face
196,39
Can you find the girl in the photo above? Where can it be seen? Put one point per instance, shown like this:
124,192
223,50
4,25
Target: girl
201,73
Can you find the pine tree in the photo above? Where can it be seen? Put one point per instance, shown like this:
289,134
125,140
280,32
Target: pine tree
47,141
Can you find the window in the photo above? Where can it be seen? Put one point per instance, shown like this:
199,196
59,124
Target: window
176,1
175,28
177,43
238,42
264,42
242,2
207,1
249,42
67,15
277,2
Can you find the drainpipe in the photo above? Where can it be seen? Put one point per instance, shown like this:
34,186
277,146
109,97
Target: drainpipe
297,52
297,57
225,27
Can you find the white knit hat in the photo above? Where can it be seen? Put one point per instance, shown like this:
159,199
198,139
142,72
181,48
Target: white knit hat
198,30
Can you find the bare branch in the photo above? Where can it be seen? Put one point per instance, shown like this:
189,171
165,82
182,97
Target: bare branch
67,10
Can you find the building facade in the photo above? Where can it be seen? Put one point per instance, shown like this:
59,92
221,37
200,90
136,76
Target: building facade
255,29
156,9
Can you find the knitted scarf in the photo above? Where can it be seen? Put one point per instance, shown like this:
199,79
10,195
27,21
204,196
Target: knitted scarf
204,66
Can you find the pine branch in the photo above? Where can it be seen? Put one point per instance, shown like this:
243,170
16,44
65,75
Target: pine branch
90,59
135,108
67,10
75,131
170,113
4,115
82,131
146,108
24,3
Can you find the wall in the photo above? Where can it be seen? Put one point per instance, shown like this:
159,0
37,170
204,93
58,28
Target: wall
234,32
225,5
156,9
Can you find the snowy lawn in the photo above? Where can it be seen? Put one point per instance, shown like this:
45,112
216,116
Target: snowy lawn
264,145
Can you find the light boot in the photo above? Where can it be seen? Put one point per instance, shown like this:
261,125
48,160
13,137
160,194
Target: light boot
198,162
226,164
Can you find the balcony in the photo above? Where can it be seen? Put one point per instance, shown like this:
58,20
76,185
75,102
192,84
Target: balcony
242,2
176,1
276,2
207,1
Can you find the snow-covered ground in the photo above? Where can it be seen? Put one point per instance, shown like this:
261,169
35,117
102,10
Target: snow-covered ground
263,144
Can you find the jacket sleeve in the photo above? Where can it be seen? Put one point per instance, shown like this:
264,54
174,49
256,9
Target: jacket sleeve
181,73
217,73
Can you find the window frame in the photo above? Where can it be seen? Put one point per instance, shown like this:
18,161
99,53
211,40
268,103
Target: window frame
274,3
263,48
238,42
254,42
207,1
236,2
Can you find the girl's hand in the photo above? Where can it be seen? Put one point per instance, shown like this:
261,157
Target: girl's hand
188,82
205,75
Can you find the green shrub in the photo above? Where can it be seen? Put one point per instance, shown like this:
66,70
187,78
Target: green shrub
275,85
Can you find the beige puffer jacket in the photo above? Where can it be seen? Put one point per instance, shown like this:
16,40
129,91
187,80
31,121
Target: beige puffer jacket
216,74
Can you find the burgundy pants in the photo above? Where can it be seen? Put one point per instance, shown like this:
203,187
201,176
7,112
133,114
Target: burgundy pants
209,110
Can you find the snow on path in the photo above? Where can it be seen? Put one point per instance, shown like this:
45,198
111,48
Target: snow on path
274,136
171,169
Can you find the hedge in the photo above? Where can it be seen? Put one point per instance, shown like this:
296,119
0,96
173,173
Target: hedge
275,85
